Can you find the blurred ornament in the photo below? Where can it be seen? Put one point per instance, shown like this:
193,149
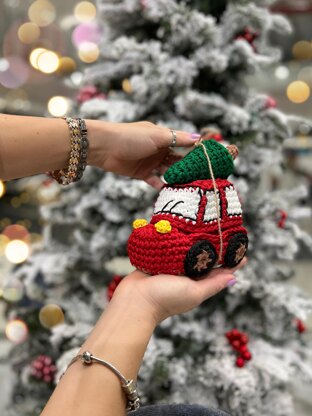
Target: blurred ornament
281,72
302,50
87,32
282,217
43,368
76,78
17,251
248,35
16,232
270,103
42,12
58,106
16,331
126,86
113,285
51,315
85,11
300,326
88,52
28,32
13,291
16,73
66,65
298,92
88,92
2,188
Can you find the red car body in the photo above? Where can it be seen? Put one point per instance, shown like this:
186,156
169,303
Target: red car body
191,231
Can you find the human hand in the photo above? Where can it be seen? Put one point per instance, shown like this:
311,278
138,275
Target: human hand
140,150
163,295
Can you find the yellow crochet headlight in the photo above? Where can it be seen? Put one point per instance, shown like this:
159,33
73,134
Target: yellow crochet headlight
141,222
163,226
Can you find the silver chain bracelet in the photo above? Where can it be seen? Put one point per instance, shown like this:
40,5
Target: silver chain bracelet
129,386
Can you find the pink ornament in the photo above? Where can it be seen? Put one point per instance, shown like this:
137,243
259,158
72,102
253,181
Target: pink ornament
88,92
86,32
270,103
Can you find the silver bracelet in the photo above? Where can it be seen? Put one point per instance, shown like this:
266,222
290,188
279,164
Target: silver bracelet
129,386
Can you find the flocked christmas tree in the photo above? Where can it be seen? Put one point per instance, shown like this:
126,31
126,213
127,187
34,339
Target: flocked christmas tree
180,64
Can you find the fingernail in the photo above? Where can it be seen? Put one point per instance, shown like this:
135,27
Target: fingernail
231,282
195,136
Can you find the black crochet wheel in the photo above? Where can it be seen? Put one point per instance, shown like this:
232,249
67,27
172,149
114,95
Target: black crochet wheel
200,259
236,250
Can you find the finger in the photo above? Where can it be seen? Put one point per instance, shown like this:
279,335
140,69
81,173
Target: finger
210,286
237,267
155,182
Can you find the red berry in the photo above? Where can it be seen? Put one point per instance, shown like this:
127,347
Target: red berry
240,362
243,348
300,326
244,339
46,370
53,368
47,379
38,365
236,333
229,335
236,344
246,355
48,360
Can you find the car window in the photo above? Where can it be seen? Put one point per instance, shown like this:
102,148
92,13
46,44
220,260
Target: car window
179,201
211,208
233,204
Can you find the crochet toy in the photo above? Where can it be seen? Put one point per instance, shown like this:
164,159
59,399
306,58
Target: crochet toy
197,221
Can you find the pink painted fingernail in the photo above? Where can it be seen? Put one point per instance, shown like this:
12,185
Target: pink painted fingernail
195,136
231,282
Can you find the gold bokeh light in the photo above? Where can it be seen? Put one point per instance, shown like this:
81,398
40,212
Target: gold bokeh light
58,106
41,12
16,331
17,251
48,62
66,65
34,55
88,52
28,32
85,11
302,50
298,92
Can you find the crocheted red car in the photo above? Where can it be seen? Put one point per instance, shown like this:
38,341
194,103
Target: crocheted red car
183,235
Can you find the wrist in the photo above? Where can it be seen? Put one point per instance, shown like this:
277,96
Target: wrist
98,136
